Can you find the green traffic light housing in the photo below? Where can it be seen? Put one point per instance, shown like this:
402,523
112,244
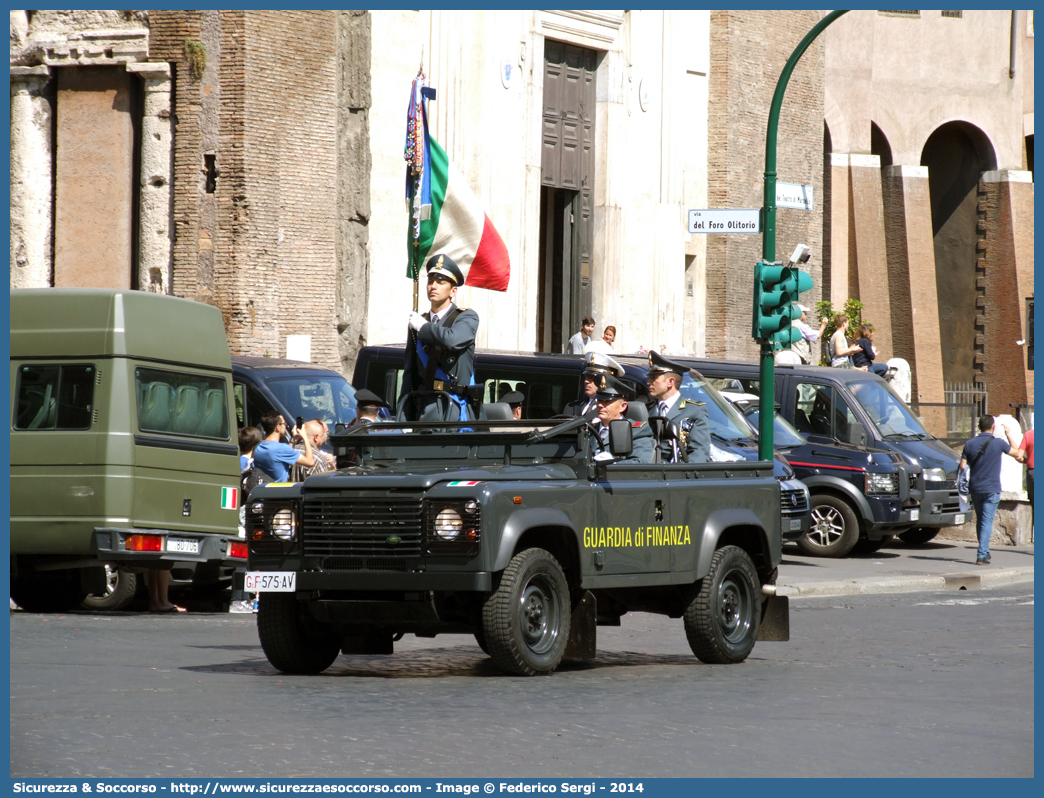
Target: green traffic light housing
776,289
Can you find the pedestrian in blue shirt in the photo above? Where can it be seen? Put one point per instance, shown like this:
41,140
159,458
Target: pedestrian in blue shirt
982,455
273,456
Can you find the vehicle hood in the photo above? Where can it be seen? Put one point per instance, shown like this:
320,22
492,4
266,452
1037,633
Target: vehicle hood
931,453
420,477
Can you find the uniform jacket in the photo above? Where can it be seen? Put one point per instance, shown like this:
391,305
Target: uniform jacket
642,443
575,409
458,361
699,433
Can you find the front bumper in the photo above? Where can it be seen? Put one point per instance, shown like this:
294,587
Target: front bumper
795,518
941,508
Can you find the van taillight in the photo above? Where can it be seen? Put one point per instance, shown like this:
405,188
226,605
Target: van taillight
144,543
238,550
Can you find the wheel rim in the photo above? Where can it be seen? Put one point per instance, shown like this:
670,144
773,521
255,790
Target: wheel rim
735,607
828,526
539,614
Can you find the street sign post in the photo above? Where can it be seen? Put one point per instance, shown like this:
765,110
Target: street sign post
720,220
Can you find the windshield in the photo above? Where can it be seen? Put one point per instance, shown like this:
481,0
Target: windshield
887,412
784,436
325,396
726,424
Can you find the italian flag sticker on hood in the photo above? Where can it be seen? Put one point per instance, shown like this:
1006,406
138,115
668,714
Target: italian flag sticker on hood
230,498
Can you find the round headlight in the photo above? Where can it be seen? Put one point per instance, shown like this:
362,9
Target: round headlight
448,524
283,524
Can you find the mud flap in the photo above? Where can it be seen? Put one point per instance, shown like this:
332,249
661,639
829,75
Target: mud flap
583,629
775,618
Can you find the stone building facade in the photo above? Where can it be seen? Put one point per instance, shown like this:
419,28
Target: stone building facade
253,160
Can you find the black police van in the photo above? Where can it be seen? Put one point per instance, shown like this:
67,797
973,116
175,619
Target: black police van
550,381
860,498
859,408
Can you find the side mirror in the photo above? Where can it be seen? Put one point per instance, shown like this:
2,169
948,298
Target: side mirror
620,442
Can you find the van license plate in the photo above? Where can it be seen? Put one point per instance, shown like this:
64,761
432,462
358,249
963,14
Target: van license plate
183,545
915,514
958,519
795,524
270,582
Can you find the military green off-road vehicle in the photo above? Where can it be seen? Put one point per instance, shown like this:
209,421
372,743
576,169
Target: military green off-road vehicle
523,533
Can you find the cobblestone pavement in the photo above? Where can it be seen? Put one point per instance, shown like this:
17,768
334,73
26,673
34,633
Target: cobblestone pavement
922,684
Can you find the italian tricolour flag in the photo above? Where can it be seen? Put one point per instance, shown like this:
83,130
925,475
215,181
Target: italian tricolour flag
447,214
230,498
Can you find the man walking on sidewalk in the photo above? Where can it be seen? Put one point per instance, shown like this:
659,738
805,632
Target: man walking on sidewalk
982,454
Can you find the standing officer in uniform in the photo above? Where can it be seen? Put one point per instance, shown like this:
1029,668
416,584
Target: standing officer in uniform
664,378
612,405
597,364
440,351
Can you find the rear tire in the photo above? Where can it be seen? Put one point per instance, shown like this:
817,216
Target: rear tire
120,589
292,639
919,535
721,623
835,528
525,622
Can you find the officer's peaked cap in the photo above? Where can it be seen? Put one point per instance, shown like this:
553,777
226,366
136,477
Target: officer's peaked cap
444,266
364,398
609,387
598,363
658,364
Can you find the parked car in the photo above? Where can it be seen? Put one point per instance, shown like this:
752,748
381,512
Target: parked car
123,454
828,404
860,497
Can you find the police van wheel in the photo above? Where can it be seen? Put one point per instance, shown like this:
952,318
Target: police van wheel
835,528
721,623
291,638
919,535
525,622
480,638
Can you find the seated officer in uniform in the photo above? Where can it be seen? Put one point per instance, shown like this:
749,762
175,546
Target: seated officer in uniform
612,405
664,378
367,407
596,365
440,351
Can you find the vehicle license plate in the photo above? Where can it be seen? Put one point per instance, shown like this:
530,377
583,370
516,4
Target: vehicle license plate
270,582
958,519
915,514
795,523
183,545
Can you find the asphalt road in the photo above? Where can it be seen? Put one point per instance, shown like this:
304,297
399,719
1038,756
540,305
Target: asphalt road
917,684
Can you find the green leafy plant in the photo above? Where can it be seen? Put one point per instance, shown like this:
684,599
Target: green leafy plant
196,56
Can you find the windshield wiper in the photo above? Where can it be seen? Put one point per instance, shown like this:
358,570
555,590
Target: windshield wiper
904,436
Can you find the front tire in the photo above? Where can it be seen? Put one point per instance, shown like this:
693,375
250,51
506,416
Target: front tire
919,535
835,528
120,588
721,623
292,639
525,622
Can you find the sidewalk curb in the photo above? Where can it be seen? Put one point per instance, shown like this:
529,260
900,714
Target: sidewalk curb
971,580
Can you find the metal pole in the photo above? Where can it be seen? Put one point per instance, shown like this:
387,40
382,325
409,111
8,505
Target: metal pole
767,402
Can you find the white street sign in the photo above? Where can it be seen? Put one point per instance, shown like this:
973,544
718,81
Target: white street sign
725,221
794,195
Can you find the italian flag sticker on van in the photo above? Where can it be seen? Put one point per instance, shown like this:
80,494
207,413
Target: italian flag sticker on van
230,498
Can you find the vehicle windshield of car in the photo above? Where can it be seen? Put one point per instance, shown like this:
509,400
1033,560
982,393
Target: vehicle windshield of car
887,412
784,436
325,396
725,422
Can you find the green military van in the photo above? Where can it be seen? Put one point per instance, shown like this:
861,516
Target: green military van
124,452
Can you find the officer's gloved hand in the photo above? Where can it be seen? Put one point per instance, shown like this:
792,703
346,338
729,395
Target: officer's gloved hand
417,320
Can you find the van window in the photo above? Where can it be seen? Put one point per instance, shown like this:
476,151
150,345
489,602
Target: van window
54,397
547,392
181,404
326,396
889,414
812,403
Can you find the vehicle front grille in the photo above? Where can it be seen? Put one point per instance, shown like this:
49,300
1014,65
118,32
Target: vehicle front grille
364,564
793,501
356,532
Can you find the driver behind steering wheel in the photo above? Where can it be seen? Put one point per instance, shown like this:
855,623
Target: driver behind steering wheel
611,406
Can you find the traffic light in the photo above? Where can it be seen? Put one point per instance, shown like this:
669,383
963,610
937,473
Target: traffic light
776,289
